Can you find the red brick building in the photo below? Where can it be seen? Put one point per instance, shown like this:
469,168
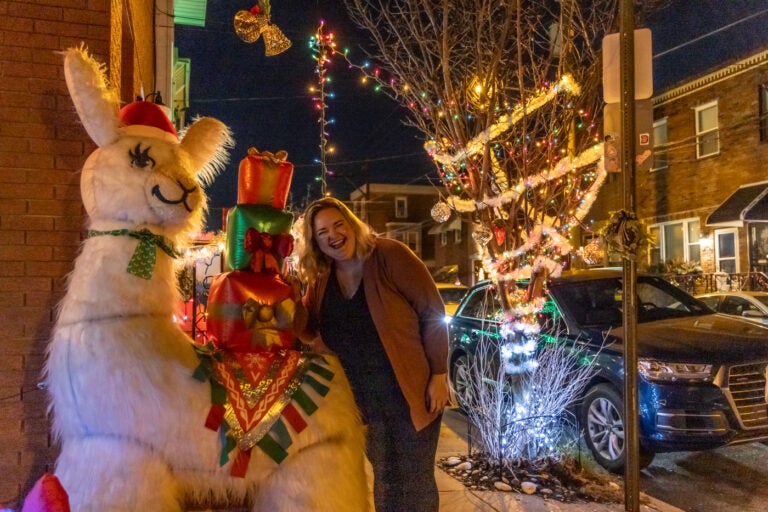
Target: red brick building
404,212
42,148
705,200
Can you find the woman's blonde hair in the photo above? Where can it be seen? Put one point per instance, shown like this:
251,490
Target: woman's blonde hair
312,261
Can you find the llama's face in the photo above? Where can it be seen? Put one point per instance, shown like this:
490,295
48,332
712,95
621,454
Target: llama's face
142,180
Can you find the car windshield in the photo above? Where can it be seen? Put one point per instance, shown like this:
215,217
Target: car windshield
598,302
452,294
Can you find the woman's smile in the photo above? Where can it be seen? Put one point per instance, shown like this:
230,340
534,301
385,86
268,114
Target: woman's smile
333,234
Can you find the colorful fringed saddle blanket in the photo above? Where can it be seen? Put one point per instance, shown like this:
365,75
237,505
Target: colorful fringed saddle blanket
261,399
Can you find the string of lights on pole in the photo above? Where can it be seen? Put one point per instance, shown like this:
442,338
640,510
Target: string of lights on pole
322,46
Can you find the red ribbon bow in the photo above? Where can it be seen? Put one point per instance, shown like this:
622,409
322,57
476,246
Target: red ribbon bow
265,248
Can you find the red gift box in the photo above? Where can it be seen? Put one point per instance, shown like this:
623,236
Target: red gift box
264,178
250,312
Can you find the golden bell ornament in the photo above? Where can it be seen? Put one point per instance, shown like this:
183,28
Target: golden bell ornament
274,40
249,26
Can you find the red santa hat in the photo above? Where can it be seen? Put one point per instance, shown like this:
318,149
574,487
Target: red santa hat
147,119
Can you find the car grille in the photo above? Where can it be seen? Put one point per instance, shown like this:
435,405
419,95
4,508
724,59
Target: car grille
747,384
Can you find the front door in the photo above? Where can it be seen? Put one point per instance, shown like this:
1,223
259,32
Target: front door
727,250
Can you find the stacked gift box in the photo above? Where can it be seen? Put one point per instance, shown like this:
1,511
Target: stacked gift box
251,306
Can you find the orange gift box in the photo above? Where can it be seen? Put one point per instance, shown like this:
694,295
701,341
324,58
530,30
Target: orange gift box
264,178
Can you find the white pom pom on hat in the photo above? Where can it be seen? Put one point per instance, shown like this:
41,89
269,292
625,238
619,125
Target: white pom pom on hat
147,119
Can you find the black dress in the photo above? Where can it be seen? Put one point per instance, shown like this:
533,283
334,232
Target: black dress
402,458
348,329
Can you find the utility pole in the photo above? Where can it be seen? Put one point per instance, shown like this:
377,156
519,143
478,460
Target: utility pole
627,77
631,408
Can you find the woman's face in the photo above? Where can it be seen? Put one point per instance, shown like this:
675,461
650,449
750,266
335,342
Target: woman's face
333,234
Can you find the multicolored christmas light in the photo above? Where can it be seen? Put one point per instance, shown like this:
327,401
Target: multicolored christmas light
323,47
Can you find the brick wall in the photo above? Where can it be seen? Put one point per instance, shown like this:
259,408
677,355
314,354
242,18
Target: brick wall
42,147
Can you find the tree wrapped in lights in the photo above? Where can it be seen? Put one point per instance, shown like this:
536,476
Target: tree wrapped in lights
506,95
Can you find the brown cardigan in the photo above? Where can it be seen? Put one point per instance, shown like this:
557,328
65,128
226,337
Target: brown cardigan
408,314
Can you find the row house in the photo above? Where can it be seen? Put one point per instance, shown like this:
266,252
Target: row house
403,212
705,197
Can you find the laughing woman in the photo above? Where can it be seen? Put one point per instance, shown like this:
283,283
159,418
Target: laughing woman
373,303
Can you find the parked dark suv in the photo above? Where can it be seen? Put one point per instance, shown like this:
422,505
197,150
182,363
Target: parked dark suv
702,375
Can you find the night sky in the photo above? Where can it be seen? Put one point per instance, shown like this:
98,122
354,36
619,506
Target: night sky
267,104
694,37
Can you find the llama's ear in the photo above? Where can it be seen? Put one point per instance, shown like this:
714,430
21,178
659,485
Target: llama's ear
96,103
207,141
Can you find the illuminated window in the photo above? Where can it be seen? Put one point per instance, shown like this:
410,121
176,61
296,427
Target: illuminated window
407,232
401,207
707,131
675,241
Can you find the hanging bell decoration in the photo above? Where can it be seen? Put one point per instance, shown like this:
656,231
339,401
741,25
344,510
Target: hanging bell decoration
250,25
274,40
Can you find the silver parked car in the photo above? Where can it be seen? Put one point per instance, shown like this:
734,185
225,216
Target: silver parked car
751,305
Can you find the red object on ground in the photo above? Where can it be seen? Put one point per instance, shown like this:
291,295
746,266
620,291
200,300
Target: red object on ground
47,495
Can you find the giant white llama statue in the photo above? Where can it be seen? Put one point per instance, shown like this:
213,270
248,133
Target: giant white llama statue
127,411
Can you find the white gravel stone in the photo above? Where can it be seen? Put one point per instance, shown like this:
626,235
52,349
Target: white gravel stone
464,466
452,461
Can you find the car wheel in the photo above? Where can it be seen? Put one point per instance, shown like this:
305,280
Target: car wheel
602,415
460,380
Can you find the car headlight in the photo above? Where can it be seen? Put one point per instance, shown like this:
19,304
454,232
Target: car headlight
669,372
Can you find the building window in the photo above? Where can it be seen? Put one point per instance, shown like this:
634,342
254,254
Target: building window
707,132
407,232
675,242
444,238
660,145
763,101
180,90
401,207
457,236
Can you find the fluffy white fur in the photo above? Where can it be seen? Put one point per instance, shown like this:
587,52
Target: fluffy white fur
127,412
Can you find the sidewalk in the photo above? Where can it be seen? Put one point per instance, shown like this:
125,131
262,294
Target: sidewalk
454,497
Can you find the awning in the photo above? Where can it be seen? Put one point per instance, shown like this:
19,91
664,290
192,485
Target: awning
454,223
748,203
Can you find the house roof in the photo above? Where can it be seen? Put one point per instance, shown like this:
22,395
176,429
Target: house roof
748,203
452,224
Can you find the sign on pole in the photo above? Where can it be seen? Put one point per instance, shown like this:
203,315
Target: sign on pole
612,66
643,136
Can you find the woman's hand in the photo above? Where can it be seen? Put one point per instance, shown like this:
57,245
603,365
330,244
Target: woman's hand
437,393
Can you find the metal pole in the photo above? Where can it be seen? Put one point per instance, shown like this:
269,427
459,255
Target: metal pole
627,92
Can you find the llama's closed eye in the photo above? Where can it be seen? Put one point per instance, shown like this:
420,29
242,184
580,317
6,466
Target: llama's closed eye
140,158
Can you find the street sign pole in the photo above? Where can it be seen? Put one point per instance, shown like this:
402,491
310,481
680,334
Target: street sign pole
629,297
